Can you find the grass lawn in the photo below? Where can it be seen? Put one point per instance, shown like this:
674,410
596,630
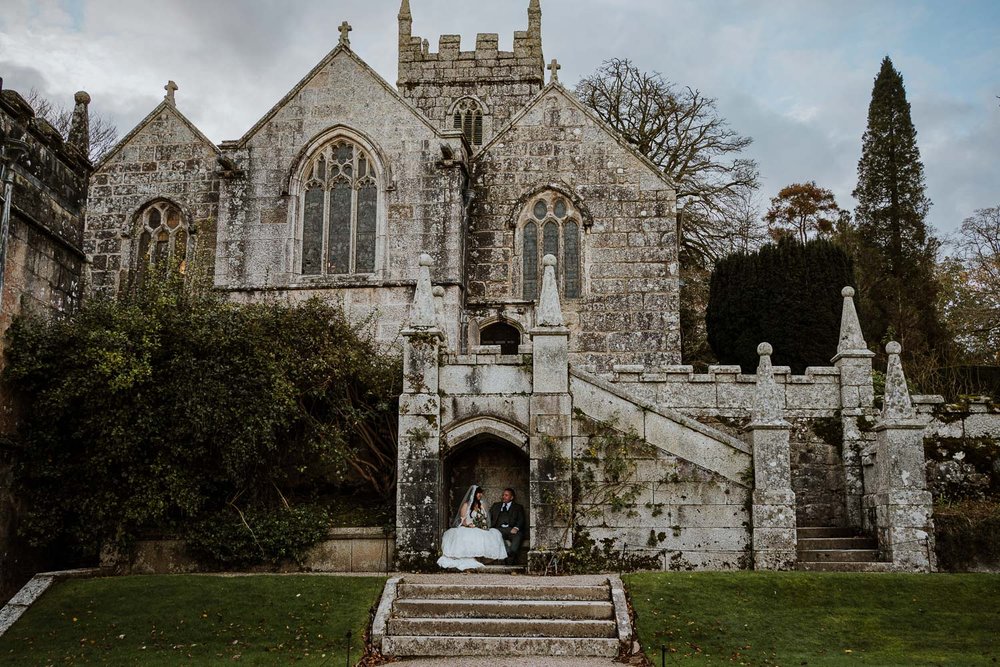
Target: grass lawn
800,618
195,620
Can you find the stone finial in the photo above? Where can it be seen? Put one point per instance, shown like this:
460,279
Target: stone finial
554,67
768,403
79,128
422,315
897,405
345,32
535,19
404,10
851,337
171,88
549,313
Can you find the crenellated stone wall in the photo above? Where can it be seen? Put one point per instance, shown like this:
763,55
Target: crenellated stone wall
503,82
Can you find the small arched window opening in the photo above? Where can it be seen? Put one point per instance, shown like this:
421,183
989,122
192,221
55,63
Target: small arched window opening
502,334
339,204
164,239
550,226
468,117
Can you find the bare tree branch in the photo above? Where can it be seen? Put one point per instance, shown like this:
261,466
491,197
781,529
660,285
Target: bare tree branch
103,133
680,130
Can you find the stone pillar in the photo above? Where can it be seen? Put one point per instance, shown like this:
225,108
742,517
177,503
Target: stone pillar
418,467
79,128
774,537
903,505
551,427
857,400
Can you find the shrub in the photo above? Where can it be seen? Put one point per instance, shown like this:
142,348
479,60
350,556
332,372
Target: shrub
167,405
788,295
232,539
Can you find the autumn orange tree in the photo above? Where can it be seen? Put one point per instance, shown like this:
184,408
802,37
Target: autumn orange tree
801,209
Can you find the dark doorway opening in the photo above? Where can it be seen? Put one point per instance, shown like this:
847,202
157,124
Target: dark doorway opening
491,463
502,334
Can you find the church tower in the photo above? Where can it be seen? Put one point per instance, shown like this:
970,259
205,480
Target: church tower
473,91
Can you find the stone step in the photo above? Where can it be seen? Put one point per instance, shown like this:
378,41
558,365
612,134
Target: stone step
406,645
490,592
555,609
842,566
501,627
839,556
828,543
807,532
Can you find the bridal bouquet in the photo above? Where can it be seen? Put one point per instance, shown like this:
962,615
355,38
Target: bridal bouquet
479,521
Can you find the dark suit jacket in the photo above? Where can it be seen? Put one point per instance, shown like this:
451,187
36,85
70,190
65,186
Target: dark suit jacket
516,516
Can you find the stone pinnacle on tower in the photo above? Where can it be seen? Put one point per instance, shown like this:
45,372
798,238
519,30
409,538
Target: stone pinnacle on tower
535,18
405,22
79,129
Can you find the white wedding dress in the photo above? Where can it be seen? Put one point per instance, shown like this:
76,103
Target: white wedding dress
463,544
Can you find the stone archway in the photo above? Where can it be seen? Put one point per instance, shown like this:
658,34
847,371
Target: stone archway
489,461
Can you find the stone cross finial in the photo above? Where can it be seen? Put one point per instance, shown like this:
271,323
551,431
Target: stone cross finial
768,403
549,313
171,88
554,67
345,30
897,405
423,316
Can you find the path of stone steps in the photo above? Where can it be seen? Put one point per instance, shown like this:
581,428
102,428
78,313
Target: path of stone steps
502,616
831,549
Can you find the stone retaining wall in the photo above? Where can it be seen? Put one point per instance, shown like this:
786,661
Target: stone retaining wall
346,550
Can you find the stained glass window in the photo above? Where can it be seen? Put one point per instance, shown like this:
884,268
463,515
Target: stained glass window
560,230
339,211
530,269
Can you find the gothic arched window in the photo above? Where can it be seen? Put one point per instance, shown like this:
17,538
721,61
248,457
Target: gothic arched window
467,116
339,204
164,238
550,225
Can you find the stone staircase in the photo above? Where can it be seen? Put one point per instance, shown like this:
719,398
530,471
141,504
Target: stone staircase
502,615
833,549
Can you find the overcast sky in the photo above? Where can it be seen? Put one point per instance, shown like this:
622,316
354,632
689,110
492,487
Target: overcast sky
796,75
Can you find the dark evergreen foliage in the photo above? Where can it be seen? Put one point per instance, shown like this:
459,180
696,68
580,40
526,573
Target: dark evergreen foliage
891,244
787,295
150,412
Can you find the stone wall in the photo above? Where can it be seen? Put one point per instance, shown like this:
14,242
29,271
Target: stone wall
502,81
43,273
627,312
420,206
164,157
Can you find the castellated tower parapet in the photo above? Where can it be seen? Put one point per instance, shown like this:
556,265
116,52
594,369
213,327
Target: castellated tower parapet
501,82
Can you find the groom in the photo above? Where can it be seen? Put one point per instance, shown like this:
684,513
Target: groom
508,517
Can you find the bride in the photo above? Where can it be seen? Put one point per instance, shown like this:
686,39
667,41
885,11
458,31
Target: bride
470,536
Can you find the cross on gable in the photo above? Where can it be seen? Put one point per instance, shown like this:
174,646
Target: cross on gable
345,29
171,88
554,67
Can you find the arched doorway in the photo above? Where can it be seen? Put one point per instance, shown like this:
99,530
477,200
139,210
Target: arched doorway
503,334
490,462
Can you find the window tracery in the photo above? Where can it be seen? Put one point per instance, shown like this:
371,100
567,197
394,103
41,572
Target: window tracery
339,211
164,238
468,117
550,226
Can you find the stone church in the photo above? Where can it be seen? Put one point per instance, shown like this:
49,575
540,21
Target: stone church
524,257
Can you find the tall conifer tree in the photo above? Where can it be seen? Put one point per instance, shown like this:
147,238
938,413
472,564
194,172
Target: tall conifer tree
894,251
